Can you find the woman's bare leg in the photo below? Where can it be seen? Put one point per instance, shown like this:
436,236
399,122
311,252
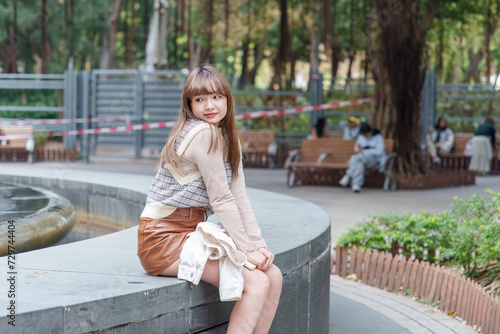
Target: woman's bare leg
172,270
271,303
254,312
247,311
210,274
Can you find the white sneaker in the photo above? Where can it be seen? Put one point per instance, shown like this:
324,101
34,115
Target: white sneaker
344,181
436,159
356,188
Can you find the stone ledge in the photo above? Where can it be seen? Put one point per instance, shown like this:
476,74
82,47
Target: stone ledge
99,285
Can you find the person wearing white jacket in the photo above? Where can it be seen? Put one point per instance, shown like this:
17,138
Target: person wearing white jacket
200,173
370,148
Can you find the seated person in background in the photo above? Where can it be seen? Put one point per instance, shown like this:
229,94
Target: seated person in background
351,129
370,148
3,141
483,144
440,140
319,130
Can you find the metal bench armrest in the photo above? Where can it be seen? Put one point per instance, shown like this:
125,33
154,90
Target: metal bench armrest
293,157
389,182
321,157
272,150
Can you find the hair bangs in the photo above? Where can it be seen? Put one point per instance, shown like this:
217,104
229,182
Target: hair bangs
205,83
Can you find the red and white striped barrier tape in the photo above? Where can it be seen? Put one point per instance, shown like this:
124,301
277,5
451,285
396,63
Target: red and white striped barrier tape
65,121
255,114
258,114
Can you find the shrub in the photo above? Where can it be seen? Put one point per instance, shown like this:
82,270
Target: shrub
468,235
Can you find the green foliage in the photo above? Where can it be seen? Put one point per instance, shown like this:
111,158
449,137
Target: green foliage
468,235
33,98
477,237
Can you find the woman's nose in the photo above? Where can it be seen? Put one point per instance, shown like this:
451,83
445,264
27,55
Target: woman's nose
209,104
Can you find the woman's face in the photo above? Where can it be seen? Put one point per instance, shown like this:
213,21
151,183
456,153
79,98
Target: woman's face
211,108
442,123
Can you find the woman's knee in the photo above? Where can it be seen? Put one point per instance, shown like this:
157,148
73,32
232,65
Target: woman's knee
256,282
275,277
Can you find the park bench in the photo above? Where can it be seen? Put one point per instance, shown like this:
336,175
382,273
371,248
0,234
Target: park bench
17,149
457,159
323,161
259,148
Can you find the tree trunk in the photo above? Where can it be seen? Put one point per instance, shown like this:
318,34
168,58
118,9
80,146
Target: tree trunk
259,57
227,13
283,50
209,29
183,15
113,21
66,20
129,54
145,23
43,19
246,48
13,39
440,49
71,32
104,58
334,43
473,71
488,39
351,51
400,72
313,35
126,20
490,104
194,47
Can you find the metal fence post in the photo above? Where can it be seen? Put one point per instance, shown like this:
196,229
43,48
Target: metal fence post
138,112
67,104
74,105
424,112
70,105
85,94
93,110
433,96
315,96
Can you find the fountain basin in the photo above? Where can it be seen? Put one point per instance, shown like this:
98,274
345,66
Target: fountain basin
40,218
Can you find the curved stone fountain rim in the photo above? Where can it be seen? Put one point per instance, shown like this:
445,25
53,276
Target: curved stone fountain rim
98,284
42,228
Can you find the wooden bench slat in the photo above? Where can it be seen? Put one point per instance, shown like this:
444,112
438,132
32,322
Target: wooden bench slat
15,149
256,145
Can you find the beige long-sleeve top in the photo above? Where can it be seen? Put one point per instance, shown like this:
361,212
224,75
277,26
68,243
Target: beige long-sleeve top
204,180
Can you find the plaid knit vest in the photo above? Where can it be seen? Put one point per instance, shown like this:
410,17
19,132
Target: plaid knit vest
171,188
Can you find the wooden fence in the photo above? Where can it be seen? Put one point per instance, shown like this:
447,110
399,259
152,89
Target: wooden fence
55,154
433,284
40,154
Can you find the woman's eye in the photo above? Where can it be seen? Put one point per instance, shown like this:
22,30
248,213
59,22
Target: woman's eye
217,96
198,99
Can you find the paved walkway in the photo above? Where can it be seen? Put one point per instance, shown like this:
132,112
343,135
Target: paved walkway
355,308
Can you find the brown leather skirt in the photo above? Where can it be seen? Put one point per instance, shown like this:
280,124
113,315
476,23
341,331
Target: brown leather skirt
160,240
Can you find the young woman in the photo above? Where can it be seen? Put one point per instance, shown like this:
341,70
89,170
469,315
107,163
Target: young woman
199,173
440,140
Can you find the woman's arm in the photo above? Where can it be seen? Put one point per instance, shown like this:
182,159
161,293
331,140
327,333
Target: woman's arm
238,188
450,139
212,168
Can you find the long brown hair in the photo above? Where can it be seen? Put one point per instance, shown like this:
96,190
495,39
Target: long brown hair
203,80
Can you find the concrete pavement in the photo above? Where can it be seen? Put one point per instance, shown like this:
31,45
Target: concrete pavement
355,308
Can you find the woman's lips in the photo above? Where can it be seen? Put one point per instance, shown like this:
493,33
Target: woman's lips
211,115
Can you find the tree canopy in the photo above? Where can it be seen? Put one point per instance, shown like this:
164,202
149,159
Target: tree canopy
249,40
